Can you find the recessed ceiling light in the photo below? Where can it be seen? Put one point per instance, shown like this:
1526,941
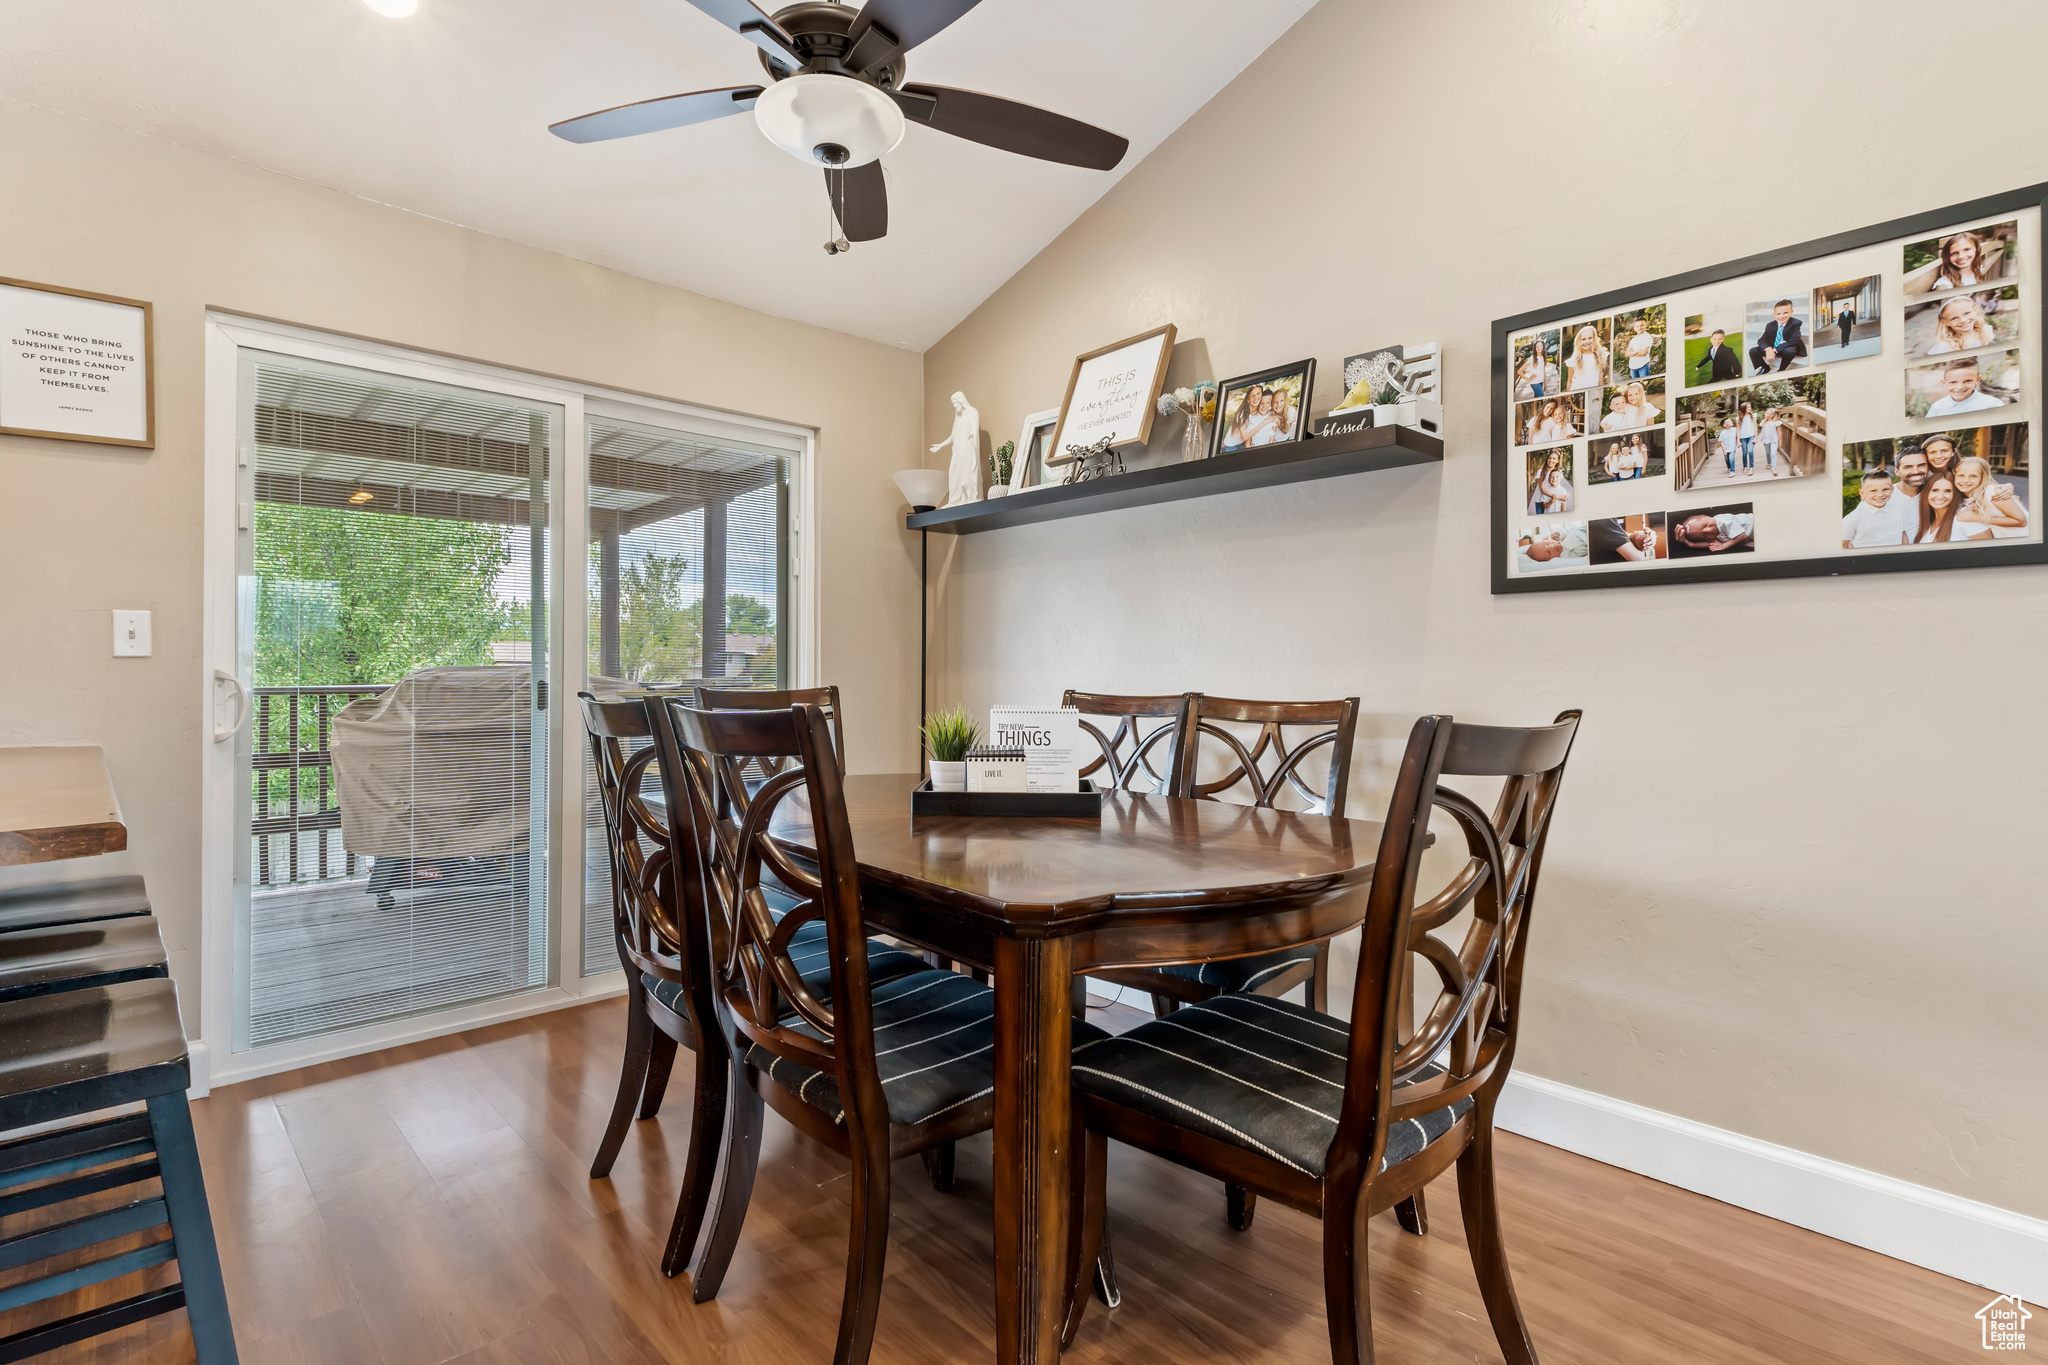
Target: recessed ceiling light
395,9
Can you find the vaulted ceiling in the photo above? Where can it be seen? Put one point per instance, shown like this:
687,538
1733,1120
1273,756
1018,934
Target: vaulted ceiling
446,113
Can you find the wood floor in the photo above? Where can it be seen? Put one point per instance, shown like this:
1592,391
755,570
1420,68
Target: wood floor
430,1204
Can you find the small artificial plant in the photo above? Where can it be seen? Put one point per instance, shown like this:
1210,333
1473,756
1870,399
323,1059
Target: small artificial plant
1386,396
1003,460
948,735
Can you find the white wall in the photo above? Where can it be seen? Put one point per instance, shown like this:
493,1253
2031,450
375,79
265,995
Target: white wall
1793,890
87,528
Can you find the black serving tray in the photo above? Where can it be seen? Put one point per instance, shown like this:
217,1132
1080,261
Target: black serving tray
1085,804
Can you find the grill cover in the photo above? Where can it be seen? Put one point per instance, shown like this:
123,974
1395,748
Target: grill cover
438,765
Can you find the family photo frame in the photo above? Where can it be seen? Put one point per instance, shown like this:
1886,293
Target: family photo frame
1858,403
1263,409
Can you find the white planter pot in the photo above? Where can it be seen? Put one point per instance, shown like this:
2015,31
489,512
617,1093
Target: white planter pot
949,777
1386,414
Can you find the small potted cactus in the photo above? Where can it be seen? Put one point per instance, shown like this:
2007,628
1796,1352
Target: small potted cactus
1003,464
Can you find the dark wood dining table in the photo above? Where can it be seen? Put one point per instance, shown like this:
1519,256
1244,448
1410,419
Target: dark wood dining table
1155,880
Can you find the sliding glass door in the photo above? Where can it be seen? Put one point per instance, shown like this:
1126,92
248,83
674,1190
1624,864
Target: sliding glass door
689,540
392,622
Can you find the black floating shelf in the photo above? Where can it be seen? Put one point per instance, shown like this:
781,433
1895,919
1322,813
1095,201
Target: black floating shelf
1323,457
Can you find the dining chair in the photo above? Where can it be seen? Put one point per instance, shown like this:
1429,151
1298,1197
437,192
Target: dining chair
1342,1119
1131,757
824,698
650,933
808,1049
1271,766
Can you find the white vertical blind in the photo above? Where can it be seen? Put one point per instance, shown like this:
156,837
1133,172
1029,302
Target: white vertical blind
397,755
689,553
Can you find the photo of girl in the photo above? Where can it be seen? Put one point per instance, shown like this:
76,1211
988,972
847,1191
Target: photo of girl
1963,322
1263,413
1611,459
1987,502
1534,360
1585,362
1550,481
1963,260
1550,419
1639,343
1971,383
1635,403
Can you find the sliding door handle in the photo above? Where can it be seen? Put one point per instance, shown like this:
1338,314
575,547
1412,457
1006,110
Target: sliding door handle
221,733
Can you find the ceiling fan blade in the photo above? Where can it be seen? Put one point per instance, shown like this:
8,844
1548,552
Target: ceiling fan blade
1013,127
651,116
860,199
903,24
749,21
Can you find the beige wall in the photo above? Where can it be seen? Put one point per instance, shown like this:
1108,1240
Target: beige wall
1793,888
84,529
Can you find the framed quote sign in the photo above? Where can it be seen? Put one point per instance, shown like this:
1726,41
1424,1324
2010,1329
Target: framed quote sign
1114,393
75,365
1863,403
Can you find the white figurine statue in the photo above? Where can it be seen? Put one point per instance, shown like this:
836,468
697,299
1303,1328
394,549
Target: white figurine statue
963,473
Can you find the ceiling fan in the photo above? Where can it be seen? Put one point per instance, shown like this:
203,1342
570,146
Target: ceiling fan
838,99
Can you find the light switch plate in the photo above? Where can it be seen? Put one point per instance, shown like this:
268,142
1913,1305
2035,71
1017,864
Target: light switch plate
131,634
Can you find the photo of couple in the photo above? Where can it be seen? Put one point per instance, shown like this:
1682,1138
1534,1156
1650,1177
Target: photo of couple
1639,539
1614,458
1540,549
1848,319
1550,419
1707,531
1941,488
1636,403
1532,361
1263,413
1550,481
1712,340
1777,429
1639,343
1776,332
1971,383
1963,260
1963,322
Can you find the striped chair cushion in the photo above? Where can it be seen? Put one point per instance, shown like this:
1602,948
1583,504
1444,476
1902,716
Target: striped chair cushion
934,1048
1242,973
1265,1074
812,954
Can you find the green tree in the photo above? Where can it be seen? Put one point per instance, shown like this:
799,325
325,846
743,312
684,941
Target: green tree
349,597
659,637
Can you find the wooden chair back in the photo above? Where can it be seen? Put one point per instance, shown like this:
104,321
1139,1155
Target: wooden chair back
1262,765
1133,757
645,892
1471,1026
825,699
750,968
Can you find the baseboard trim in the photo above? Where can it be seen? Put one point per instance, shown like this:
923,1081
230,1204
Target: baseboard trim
1997,1248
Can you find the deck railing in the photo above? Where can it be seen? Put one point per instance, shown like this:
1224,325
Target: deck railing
295,823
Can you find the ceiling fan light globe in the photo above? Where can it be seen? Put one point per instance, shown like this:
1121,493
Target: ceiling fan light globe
803,113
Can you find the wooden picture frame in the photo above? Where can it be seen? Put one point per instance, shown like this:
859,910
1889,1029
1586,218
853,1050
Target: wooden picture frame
1027,453
1304,369
12,355
1103,366
1506,515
